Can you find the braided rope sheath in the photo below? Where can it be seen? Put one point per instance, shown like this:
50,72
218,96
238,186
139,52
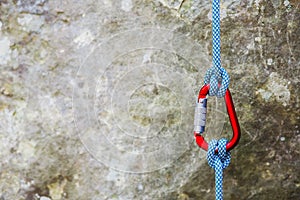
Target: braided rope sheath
216,74
216,36
219,80
218,162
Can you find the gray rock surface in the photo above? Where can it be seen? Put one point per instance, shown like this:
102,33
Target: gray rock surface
97,99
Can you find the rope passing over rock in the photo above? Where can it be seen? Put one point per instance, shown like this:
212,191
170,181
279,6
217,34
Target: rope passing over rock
218,161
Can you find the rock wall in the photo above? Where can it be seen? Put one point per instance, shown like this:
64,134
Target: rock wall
97,99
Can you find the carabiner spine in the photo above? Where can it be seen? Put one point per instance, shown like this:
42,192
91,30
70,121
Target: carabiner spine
233,121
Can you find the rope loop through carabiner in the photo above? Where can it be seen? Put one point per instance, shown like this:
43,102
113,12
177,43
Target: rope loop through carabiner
218,161
216,84
216,76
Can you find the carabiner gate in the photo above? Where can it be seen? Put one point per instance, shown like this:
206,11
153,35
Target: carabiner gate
200,117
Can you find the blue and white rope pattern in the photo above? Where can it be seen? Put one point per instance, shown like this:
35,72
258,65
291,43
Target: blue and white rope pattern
219,80
216,74
218,162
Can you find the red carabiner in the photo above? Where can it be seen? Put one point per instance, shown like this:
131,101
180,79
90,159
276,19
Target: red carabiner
232,117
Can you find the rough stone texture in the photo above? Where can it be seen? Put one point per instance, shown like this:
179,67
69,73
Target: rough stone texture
61,59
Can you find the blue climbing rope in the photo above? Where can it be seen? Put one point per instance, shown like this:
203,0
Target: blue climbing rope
218,79
218,161
216,76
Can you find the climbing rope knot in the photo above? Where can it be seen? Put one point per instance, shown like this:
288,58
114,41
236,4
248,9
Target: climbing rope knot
218,161
218,79
216,76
